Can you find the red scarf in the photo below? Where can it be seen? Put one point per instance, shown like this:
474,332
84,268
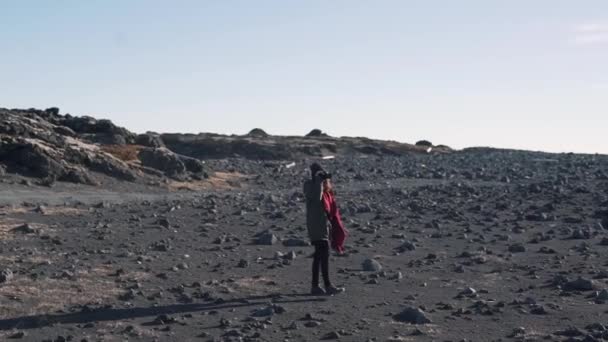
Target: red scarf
338,232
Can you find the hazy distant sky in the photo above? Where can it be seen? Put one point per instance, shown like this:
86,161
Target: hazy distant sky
527,74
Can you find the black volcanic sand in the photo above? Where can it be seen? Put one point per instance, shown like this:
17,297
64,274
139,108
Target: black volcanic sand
488,245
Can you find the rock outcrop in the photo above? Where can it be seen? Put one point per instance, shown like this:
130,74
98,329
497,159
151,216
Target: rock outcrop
54,147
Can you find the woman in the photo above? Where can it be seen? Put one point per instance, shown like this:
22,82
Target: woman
316,222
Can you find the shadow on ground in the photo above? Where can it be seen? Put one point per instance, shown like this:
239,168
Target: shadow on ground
108,314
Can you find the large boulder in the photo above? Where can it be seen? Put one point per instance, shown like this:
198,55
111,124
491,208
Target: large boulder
257,133
315,133
193,165
424,143
165,160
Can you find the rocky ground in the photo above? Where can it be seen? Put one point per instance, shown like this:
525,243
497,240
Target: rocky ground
106,235
474,245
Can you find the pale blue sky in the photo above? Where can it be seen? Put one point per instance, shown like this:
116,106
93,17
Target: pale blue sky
527,74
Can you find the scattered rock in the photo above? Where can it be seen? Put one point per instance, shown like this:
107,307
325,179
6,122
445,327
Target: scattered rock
164,319
17,335
406,246
6,275
412,315
127,296
468,292
290,256
580,284
312,324
520,331
268,311
398,276
163,222
334,335
371,265
602,295
517,248
579,234
538,310
24,229
267,239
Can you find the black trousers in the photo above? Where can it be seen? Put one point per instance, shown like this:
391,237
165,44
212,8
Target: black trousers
320,260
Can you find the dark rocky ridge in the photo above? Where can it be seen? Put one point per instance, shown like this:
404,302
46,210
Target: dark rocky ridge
259,147
49,146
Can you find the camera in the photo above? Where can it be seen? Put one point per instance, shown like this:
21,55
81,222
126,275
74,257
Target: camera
324,175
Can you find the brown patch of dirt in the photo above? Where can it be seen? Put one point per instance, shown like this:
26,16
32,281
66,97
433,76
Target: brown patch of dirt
56,210
31,260
137,332
252,286
63,211
123,152
13,210
218,181
43,296
8,224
